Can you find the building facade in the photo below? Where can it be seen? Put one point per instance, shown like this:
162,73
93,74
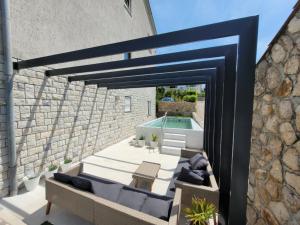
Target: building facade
55,119
274,179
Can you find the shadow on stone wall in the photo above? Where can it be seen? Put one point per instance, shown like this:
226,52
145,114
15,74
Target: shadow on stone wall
49,141
74,123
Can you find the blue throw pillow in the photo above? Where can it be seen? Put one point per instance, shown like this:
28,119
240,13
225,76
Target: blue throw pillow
82,184
63,178
157,207
200,164
132,199
190,177
195,158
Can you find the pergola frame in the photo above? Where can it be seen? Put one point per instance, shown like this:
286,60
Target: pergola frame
238,84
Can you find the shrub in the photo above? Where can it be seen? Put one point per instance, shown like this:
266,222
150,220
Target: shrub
66,161
168,93
52,167
202,94
191,92
190,98
142,138
200,212
154,137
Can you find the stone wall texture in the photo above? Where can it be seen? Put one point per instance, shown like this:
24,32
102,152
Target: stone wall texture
274,180
55,118
177,108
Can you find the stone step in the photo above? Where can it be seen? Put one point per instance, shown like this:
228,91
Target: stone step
174,131
174,143
170,150
180,137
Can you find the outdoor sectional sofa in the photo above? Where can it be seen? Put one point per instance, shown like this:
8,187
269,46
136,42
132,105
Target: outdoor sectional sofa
99,210
209,191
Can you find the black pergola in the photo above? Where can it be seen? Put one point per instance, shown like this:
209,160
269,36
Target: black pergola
229,94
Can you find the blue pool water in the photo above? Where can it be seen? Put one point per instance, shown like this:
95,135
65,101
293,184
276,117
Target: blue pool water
172,122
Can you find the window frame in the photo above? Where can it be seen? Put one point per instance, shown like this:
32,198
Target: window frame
128,7
127,55
149,107
126,110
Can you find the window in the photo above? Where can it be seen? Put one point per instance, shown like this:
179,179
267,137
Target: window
127,104
127,4
127,55
149,108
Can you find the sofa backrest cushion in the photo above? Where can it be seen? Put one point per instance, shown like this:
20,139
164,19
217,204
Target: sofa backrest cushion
148,193
195,158
190,177
157,207
131,199
200,164
64,178
108,191
82,184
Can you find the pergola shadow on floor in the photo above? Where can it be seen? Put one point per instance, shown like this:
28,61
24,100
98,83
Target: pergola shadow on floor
230,82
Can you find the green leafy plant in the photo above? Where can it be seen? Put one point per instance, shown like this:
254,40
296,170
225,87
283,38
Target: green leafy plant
154,137
142,138
67,160
52,167
190,98
200,212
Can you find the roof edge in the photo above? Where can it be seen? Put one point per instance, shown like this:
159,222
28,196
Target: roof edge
150,16
281,30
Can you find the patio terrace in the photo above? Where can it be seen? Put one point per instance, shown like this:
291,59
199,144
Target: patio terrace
117,162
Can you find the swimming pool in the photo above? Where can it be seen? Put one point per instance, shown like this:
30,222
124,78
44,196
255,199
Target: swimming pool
192,131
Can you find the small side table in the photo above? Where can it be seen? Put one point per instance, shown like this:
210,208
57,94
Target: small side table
145,175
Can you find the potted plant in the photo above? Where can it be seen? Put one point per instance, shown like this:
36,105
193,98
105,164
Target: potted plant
31,181
51,170
154,141
66,164
201,212
141,141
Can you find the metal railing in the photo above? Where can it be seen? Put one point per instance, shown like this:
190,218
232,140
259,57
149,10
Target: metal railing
163,123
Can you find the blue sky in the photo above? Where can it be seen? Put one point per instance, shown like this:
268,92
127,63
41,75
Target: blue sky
171,15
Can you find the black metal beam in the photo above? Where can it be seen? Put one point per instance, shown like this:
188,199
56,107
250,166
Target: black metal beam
139,85
204,53
243,122
178,80
148,70
171,75
208,32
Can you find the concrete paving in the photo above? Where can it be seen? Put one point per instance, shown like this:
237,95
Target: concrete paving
117,162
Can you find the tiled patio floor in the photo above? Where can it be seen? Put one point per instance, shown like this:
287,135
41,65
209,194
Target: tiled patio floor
116,162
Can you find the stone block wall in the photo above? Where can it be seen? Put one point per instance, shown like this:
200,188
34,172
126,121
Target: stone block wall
177,108
57,119
274,180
